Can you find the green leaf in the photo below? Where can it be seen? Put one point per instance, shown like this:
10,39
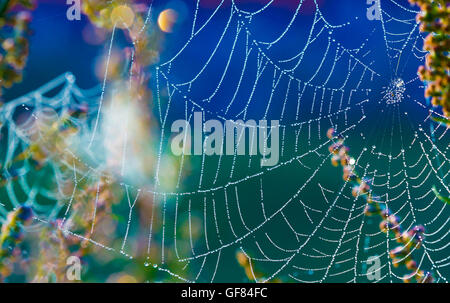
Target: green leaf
440,197
441,120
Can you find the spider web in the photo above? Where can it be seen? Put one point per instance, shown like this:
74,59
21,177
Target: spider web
297,220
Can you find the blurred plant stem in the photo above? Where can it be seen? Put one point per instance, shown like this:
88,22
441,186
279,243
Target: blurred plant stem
410,239
14,46
434,19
